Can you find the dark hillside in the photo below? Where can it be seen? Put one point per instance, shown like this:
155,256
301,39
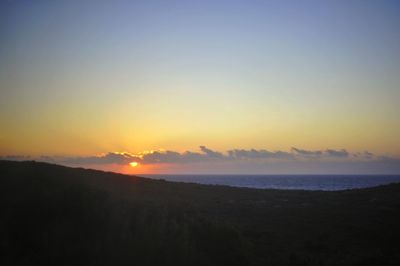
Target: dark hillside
55,215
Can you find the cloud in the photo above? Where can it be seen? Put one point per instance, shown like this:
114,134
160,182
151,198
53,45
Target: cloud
162,157
211,153
207,155
186,157
239,160
305,152
320,153
153,157
257,154
337,153
364,155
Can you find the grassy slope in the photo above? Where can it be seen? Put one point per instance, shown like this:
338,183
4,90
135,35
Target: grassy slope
58,215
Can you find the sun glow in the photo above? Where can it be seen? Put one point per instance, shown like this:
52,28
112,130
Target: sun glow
134,164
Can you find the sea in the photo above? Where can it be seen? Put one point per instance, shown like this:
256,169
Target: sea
299,182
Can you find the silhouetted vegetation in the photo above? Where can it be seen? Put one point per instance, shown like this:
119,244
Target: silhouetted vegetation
54,215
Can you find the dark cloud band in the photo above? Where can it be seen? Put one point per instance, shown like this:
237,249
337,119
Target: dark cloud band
208,155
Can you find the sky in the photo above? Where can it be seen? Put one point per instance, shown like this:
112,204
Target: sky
267,86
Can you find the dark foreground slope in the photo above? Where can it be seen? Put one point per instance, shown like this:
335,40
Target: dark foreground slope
54,215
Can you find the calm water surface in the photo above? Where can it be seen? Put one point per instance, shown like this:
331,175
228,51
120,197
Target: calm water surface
305,182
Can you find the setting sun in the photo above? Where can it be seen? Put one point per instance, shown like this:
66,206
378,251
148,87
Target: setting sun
134,164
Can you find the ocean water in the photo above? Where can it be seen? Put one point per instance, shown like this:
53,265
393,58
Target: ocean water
303,182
